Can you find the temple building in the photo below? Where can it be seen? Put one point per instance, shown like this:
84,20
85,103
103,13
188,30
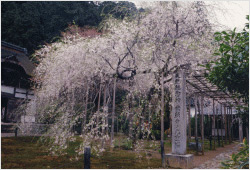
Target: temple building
16,71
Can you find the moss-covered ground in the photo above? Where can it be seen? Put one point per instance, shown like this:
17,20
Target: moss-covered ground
27,153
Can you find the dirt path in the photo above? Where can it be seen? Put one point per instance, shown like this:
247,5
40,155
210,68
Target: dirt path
213,159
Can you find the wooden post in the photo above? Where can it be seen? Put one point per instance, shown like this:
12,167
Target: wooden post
105,114
87,154
162,122
105,110
85,109
222,143
196,128
247,135
98,105
213,126
202,123
210,131
16,129
225,124
230,124
113,113
240,130
217,124
189,119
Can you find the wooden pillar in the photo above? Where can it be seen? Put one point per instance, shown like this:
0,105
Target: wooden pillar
222,143
231,124
247,134
213,125
210,131
189,119
240,130
202,123
196,122
217,124
225,124
228,127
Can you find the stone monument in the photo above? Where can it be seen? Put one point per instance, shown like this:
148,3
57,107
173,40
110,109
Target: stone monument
178,158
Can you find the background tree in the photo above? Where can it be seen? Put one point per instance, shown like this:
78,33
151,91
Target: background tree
32,24
230,71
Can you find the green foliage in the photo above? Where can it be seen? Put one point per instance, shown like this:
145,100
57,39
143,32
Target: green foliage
156,134
239,160
127,144
32,24
231,71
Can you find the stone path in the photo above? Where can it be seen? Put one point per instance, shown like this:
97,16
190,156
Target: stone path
215,162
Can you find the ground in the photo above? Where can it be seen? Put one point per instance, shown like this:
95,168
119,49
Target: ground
25,152
212,159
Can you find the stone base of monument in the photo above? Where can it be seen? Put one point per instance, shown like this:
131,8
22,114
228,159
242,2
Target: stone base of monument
179,161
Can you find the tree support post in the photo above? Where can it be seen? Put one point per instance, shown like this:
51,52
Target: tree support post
113,113
162,122
87,154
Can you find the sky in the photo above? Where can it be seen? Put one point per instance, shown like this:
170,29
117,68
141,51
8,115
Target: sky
231,14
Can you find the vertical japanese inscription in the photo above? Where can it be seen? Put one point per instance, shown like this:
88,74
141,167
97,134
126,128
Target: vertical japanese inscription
179,114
